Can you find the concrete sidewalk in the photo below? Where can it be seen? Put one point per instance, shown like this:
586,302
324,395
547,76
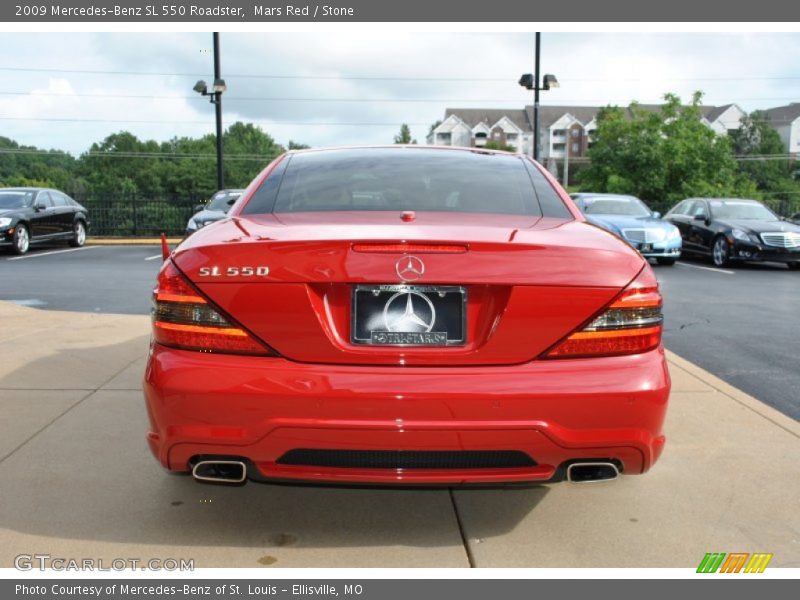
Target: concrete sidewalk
80,482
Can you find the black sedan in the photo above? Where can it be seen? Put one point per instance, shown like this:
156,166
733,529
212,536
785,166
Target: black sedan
732,229
32,215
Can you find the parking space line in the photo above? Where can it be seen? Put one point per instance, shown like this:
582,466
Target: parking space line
714,270
52,252
153,257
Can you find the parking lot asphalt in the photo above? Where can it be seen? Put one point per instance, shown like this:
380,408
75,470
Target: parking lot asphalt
739,323
79,481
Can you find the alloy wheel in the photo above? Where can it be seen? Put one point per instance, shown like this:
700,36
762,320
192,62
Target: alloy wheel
80,233
720,252
22,240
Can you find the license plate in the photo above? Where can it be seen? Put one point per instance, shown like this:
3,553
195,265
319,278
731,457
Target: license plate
409,315
646,248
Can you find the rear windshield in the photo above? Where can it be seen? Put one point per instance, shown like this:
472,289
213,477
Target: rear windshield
383,179
748,211
615,205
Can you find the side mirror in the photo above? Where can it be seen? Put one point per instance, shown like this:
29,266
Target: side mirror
199,207
40,207
700,218
656,214
232,201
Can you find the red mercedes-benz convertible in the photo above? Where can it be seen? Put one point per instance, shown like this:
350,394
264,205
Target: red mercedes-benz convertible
406,315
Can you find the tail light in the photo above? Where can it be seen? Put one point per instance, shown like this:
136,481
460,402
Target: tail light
183,318
630,325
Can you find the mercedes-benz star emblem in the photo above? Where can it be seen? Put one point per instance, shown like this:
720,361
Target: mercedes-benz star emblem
409,311
410,268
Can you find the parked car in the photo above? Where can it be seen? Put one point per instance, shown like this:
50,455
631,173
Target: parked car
214,210
734,229
406,315
631,219
33,215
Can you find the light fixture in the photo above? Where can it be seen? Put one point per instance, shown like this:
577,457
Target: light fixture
550,81
200,87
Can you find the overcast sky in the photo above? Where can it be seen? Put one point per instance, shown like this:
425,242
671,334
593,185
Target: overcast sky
296,78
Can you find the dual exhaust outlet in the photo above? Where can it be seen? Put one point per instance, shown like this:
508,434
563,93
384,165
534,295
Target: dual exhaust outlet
234,472
592,472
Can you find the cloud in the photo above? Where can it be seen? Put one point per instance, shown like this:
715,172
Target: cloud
314,107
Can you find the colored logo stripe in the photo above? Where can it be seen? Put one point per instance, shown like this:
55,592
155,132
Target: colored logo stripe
734,563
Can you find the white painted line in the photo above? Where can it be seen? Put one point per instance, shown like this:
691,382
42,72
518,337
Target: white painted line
153,257
713,270
53,252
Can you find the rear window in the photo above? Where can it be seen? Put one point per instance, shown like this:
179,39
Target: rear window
388,179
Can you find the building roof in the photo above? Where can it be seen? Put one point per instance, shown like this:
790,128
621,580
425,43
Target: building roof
550,114
490,116
783,115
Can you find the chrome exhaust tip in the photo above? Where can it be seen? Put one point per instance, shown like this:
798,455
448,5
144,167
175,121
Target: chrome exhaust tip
592,472
220,471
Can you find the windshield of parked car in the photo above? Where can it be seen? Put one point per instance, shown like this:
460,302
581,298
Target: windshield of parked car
741,209
617,205
14,199
382,179
221,201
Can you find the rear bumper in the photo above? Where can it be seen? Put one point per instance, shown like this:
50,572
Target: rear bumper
259,409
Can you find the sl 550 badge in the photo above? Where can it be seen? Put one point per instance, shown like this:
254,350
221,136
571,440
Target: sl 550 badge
215,271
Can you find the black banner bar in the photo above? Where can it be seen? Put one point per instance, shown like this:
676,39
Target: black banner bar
255,11
731,588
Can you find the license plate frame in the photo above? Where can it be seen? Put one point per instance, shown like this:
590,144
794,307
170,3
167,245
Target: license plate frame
424,335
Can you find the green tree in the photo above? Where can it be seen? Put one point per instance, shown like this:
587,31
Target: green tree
297,146
31,166
762,157
662,156
492,145
247,150
404,137
123,156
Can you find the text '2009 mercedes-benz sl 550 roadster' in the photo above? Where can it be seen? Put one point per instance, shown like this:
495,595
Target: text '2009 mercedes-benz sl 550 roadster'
406,315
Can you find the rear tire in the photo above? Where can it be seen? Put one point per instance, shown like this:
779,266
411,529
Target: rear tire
22,240
78,234
667,262
720,252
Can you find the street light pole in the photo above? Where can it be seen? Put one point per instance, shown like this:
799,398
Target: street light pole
536,101
218,107
530,81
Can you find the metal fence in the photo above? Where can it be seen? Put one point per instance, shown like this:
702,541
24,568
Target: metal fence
124,215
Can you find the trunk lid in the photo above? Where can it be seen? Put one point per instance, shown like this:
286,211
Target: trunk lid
528,281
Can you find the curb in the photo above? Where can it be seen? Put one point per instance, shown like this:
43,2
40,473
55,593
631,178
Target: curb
130,241
770,414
